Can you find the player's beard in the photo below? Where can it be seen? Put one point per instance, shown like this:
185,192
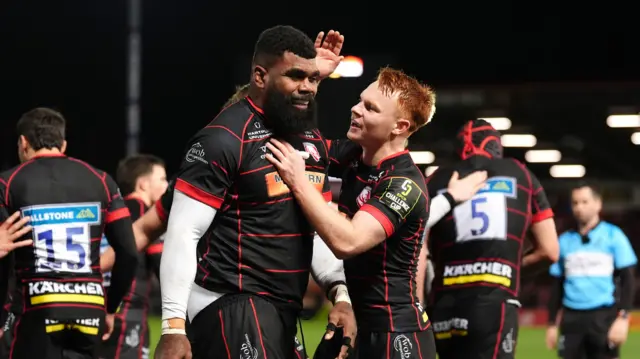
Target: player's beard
283,118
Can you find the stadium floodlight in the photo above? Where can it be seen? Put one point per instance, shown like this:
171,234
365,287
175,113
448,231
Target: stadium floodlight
524,140
499,123
429,170
543,156
567,171
422,157
635,138
351,66
622,121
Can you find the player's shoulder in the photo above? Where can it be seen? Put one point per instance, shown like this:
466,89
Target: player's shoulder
611,228
439,179
84,167
235,120
408,172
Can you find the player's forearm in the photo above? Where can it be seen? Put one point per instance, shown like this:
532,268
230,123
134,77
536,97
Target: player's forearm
439,207
627,288
148,228
326,269
120,238
555,300
188,222
107,259
335,229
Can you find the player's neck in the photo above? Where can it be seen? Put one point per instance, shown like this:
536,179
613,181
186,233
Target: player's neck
141,196
46,152
585,228
373,156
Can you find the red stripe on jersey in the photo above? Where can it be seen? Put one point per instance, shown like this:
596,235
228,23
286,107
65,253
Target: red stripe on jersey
118,214
541,216
162,213
198,194
380,217
155,248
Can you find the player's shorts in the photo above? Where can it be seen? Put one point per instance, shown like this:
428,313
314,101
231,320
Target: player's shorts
130,337
244,326
7,335
381,345
36,336
584,334
475,329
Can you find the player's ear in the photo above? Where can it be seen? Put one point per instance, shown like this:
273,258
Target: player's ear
23,143
401,126
63,148
260,76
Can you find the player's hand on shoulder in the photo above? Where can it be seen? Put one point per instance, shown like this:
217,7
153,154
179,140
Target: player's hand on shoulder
328,52
342,316
10,231
173,346
289,162
462,189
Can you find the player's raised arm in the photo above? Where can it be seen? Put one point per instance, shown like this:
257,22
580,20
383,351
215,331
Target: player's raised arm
120,237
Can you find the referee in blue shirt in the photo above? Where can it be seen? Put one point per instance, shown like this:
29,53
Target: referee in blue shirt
593,323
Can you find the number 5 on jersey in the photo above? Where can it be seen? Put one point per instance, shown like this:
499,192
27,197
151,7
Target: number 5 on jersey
61,236
485,215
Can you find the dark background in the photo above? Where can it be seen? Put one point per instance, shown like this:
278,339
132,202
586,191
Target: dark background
552,68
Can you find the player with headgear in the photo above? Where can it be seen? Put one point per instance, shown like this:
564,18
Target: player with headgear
477,248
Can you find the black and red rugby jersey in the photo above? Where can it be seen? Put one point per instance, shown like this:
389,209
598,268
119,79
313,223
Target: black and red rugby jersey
70,203
382,281
477,248
148,262
259,241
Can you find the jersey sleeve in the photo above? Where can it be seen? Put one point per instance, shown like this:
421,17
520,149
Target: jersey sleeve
209,166
540,207
623,253
4,212
393,200
154,255
163,205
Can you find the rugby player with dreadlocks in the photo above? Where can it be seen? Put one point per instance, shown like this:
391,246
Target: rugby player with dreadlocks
477,249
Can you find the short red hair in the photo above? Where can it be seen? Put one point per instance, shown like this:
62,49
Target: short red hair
417,101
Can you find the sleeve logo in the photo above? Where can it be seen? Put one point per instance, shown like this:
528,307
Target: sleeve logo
401,198
195,153
364,196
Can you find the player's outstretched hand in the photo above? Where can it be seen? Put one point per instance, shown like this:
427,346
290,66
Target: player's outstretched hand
10,231
173,346
288,161
341,316
328,52
463,189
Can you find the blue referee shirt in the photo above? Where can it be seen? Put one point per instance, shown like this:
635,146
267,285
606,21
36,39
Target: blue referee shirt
588,268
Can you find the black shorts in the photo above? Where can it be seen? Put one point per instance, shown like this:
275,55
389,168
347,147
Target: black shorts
243,325
381,345
7,335
130,337
584,334
475,329
36,336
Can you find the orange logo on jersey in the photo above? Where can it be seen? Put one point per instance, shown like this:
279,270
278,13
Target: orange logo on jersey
277,187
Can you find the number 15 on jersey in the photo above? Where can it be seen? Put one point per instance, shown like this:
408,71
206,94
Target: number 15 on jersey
62,236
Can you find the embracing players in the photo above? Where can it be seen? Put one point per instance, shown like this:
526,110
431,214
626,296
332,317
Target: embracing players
385,209
477,250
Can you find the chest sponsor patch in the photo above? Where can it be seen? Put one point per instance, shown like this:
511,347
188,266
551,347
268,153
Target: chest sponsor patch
277,187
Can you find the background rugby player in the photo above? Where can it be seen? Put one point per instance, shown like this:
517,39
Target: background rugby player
248,290
477,250
593,325
386,208
142,179
69,202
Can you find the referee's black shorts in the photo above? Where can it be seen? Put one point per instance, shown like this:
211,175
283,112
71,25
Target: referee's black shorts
130,336
34,335
381,345
475,329
244,326
584,334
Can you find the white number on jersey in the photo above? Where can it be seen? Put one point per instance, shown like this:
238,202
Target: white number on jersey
485,215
